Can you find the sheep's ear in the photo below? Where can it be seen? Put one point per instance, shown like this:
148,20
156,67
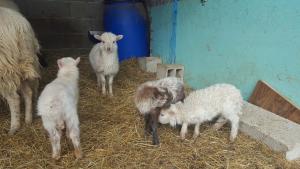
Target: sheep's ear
97,37
119,37
161,89
59,63
158,93
77,60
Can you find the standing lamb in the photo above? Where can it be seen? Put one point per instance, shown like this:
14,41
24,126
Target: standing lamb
220,100
57,105
19,65
151,96
104,59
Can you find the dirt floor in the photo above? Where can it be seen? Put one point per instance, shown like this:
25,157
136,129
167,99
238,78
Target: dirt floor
112,135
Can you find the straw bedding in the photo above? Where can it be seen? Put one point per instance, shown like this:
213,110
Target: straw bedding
112,135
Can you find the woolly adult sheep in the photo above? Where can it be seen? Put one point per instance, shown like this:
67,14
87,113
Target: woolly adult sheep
19,66
9,4
223,100
104,59
151,96
57,105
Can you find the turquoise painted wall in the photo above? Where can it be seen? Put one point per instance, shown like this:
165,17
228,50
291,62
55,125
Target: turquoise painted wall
161,27
234,41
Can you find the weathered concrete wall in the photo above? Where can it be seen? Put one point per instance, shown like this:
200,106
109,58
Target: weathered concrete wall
63,24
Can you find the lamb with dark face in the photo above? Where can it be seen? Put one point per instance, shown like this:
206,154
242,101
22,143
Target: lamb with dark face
151,96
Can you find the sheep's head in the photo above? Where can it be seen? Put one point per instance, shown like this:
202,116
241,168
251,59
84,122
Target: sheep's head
67,62
161,97
108,41
167,115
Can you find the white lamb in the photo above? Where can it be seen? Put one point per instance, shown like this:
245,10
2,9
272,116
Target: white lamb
104,59
57,105
220,100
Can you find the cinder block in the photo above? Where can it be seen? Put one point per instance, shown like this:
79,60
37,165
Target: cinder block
149,64
278,133
167,70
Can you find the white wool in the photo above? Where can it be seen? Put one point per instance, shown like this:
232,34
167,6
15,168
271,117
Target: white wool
19,66
104,59
57,104
202,105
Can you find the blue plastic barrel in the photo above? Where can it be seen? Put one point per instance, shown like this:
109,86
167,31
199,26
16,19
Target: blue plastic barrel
123,17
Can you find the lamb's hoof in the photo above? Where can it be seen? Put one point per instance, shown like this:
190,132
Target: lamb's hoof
195,136
231,139
104,93
78,154
13,130
28,121
111,95
182,137
56,157
155,142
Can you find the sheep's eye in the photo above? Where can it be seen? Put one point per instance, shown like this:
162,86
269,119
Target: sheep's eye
162,115
114,41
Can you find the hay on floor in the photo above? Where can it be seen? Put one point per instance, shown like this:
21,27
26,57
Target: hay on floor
112,135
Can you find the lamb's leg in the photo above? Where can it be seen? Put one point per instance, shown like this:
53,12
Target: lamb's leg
196,130
35,89
154,125
27,94
110,83
98,80
234,119
74,134
55,136
103,83
183,131
13,100
220,123
147,123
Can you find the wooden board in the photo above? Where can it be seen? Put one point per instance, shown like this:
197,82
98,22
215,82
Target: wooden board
266,97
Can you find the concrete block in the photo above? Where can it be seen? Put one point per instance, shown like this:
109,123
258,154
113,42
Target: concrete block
278,133
167,70
149,64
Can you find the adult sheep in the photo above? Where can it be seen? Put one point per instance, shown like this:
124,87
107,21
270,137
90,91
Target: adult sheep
9,4
19,65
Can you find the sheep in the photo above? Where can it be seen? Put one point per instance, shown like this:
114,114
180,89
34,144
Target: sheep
220,100
9,4
57,106
151,96
19,65
104,59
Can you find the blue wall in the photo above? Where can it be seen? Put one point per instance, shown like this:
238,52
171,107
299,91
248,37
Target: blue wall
234,41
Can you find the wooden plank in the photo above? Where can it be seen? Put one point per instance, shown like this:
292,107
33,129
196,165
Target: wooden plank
266,97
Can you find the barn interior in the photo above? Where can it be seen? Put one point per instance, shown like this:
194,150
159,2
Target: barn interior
112,129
